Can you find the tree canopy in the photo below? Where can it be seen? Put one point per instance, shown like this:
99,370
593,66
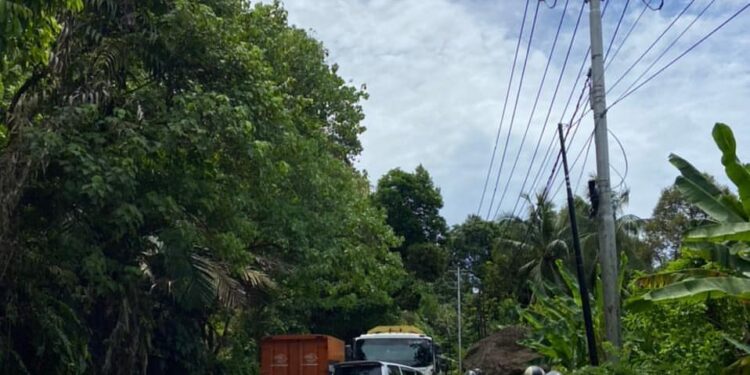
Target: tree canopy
176,171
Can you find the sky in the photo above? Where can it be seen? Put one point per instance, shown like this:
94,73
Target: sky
437,74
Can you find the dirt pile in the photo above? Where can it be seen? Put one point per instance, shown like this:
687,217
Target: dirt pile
500,353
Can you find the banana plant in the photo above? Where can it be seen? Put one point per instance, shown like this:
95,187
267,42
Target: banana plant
724,244
742,365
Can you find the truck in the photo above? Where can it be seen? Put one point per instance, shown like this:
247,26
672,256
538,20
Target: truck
300,354
404,345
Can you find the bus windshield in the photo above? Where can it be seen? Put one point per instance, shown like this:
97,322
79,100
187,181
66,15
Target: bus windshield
406,351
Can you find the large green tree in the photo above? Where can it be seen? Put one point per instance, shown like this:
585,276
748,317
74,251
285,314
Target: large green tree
412,205
672,216
175,175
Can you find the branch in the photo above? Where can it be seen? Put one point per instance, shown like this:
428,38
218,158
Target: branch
35,77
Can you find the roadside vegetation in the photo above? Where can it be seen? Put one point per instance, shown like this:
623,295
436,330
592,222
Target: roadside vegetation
177,181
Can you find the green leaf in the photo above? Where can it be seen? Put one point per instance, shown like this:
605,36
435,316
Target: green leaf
735,170
695,289
720,232
740,367
711,205
737,344
692,174
663,279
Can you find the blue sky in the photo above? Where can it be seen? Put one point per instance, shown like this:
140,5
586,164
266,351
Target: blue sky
437,72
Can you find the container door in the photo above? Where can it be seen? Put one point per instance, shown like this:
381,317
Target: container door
312,358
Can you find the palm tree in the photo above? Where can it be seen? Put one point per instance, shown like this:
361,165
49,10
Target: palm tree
545,236
539,238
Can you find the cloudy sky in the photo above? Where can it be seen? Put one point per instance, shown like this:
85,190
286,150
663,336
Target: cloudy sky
437,72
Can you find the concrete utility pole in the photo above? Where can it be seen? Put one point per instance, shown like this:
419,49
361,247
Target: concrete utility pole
605,215
458,296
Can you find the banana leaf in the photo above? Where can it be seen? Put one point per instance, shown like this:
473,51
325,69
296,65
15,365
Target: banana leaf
735,170
693,290
712,205
692,174
663,279
742,365
720,233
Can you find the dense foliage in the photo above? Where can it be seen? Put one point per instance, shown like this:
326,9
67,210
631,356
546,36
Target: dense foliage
179,171
691,316
177,182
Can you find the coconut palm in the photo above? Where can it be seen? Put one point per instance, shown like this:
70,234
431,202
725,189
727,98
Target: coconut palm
540,237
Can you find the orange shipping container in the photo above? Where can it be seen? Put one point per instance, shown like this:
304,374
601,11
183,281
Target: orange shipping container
299,354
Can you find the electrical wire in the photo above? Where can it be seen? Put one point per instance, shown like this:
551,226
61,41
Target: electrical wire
545,160
650,46
550,6
505,104
669,47
513,114
624,158
608,61
585,160
571,125
533,109
585,147
573,88
648,4
548,153
617,28
552,101
575,126
691,48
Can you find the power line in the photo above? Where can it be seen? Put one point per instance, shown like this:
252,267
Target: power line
648,4
585,161
696,44
650,46
617,28
552,101
669,47
571,125
547,153
533,109
505,104
575,126
515,107
624,158
585,147
627,35
545,159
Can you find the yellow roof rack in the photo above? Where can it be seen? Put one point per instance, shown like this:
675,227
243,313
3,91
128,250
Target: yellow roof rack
396,329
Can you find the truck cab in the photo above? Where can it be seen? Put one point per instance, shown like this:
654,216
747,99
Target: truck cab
403,345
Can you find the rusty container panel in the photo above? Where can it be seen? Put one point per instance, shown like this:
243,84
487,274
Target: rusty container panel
299,354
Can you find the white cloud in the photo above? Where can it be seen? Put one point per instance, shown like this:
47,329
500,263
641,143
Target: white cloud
437,72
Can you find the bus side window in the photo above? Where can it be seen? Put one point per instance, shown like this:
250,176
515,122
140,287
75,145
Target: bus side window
393,370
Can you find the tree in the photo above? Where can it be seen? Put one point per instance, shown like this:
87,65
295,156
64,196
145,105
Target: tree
542,237
471,242
412,205
491,272
672,216
177,172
